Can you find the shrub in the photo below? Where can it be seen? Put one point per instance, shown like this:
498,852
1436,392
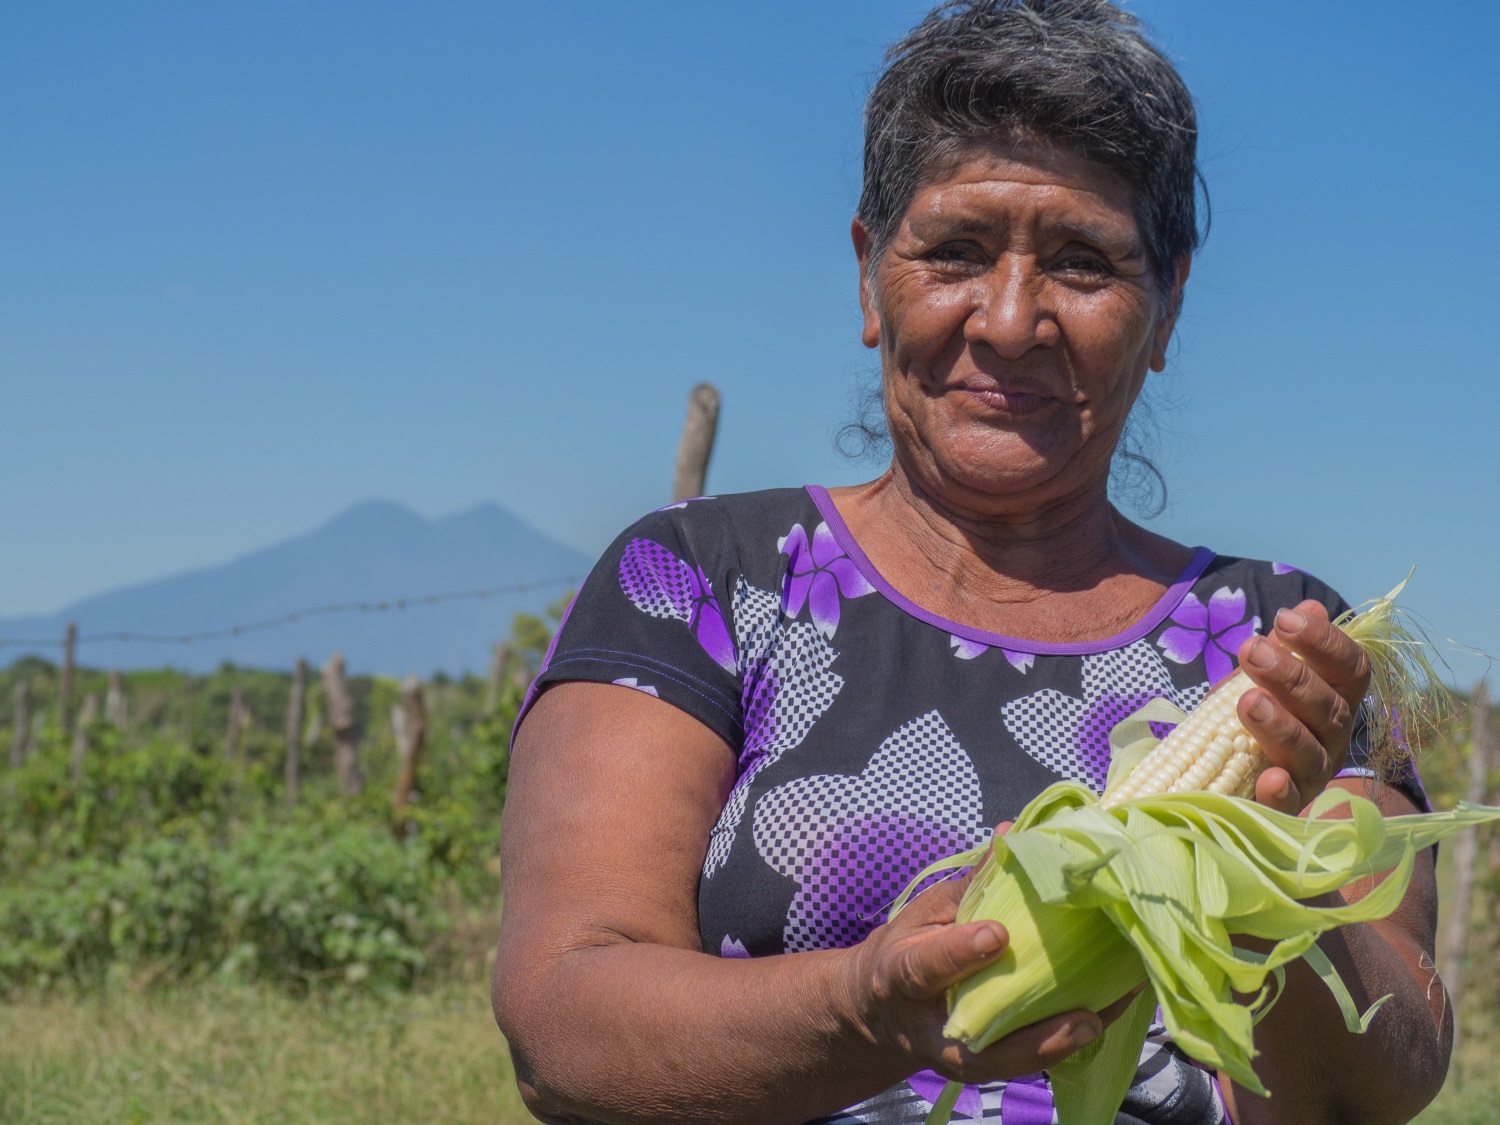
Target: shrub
297,905
308,903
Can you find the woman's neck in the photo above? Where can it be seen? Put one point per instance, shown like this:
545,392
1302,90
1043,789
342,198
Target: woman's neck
1071,569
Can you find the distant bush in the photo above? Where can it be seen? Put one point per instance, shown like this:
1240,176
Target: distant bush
296,905
176,852
316,903
159,788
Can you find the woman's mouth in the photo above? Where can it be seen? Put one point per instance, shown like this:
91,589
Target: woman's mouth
1016,400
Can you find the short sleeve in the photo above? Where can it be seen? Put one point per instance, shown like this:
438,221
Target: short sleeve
650,617
1357,763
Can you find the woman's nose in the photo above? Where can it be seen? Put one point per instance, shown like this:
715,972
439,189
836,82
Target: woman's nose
1011,313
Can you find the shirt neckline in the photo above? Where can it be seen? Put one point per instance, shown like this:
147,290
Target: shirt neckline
1153,617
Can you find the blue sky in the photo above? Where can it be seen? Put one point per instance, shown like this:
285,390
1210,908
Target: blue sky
258,262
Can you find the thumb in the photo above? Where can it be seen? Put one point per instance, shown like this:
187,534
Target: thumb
944,955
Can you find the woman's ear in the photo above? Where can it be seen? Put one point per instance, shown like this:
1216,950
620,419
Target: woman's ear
870,334
1168,321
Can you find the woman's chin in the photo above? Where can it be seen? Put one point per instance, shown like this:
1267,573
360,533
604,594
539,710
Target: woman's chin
1003,487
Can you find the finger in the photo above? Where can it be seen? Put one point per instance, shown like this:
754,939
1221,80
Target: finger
1341,663
1027,1050
1297,688
1300,766
1046,1042
1276,789
927,966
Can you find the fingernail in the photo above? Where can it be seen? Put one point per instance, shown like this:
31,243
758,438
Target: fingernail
1290,621
987,941
1262,655
1083,1034
1261,710
1284,790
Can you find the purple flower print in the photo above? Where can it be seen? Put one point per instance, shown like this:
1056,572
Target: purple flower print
1027,1101
707,622
659,583
965,649
817,574
1214,631
929,1087
1020,661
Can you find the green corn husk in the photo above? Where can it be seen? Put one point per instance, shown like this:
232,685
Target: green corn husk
1097,900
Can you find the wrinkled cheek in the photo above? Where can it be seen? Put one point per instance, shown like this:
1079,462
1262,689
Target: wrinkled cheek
918,324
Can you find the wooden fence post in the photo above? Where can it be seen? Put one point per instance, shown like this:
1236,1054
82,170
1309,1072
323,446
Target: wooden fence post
697,443
314,727
1465,852
412,733
236,722
294,708
114,700
20,735
65,683
86,716
187,709
499,658
341,719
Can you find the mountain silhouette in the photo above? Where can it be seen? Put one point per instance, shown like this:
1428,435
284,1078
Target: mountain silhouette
375,551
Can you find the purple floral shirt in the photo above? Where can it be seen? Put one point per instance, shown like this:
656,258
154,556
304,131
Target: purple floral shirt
873,737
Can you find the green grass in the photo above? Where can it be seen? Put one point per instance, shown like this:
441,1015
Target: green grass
242,1056
237,1056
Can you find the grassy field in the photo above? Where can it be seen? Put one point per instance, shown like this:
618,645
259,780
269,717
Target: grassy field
1471,1095
241,1056
237,1056
209,1053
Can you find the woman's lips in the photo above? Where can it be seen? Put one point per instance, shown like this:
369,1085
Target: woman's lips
1014,402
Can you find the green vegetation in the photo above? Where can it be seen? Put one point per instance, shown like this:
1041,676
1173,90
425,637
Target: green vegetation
236,1056
180,944
175,855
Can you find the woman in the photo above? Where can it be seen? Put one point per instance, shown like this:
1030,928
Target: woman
765,713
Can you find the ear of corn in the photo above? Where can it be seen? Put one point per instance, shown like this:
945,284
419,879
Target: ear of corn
1211,749
1098,900
1154,881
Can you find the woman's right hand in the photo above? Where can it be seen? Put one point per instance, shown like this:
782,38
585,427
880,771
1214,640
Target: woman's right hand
900,977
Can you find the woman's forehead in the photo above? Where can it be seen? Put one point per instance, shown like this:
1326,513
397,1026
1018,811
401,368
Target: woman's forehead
982,186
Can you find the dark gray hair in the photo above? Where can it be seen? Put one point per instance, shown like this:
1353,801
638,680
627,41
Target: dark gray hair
1078,74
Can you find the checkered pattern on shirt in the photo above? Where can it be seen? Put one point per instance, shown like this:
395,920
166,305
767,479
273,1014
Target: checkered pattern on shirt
656,581
1070,736
786,669
853,843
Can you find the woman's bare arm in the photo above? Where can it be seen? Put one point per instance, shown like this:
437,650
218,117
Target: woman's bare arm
612,1012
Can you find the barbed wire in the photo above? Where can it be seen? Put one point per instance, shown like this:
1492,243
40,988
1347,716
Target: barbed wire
385,606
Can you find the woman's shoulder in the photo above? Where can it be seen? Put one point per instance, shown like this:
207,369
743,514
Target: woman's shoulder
711,527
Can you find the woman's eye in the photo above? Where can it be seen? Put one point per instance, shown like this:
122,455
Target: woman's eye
957,252
1090,265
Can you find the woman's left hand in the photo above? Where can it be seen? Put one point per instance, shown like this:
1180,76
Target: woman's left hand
1301,712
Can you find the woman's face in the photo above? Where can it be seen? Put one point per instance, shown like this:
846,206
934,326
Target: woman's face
1016,315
